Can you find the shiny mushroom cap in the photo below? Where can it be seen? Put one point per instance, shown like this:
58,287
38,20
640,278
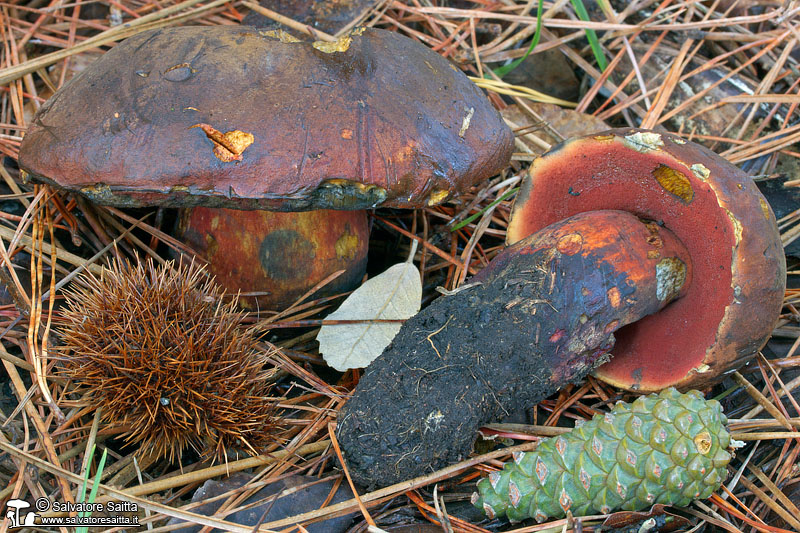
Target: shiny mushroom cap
714,208
235,117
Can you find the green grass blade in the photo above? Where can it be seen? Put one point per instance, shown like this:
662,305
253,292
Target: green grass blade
594,43
82,492
97,476
505,69
95,487
482,211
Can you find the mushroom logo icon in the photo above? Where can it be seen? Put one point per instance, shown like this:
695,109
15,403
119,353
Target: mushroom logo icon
13,514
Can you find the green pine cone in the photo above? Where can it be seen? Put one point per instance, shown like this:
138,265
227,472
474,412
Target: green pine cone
669,448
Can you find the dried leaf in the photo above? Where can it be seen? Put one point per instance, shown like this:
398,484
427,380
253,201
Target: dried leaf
393,294
657,520
228,146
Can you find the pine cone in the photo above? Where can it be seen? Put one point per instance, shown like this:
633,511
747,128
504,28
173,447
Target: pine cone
669,448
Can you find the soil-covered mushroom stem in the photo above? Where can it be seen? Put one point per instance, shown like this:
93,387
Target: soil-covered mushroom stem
541,315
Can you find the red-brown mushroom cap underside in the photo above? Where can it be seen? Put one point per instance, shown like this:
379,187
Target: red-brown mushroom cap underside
280,254
234,117
718,213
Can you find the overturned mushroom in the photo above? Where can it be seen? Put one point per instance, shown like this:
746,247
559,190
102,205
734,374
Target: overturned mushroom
541,315
237,118
654,219
717,212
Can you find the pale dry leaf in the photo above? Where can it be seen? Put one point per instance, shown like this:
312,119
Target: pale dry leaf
393,294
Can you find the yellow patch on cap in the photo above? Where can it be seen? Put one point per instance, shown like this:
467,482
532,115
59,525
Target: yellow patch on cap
765,208
674,182
700,171
339,45
737,227
643,141
281,35
228,146
437,197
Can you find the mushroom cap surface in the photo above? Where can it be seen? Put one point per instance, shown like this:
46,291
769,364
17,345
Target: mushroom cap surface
231,116
714,208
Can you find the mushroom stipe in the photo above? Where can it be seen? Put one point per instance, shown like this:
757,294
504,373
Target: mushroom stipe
556,296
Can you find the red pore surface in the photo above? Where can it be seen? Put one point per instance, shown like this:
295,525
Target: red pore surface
713,208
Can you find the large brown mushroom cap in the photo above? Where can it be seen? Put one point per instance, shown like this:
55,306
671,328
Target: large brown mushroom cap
375,119
718,213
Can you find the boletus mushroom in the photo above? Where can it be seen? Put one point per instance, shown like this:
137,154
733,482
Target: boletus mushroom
717,212
234,117
656,219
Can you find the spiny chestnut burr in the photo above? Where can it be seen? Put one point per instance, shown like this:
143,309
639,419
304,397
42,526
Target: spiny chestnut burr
164,356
